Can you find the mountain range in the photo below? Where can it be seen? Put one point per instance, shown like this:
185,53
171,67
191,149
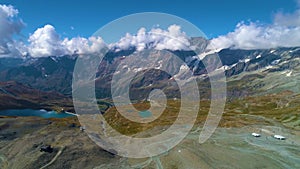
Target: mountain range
248,72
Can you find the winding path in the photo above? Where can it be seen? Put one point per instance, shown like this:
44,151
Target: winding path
54,158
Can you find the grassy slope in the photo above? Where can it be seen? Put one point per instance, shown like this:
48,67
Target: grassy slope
282,108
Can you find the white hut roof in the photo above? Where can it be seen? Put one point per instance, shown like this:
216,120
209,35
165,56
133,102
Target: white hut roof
255,134
279,137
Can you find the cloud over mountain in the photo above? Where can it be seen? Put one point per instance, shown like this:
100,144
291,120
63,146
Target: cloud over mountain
172,39
10,25
283,32
46,41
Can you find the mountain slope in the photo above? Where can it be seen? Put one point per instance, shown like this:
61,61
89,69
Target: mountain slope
15,95
248,72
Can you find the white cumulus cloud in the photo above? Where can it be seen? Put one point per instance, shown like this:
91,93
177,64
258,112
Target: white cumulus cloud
172,39
81,45
10,25
283,32
46,41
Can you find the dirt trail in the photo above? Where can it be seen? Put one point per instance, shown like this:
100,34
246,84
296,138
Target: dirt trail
54,158
3,162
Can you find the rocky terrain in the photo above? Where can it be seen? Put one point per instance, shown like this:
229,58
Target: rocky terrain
263,96
231,146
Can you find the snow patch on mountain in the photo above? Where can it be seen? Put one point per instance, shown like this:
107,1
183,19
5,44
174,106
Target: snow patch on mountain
258,56
247,60
275,62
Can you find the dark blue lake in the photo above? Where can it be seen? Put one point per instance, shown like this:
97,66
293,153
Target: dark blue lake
30,112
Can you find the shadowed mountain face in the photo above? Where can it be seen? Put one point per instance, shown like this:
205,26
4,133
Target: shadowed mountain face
17,96
248,71
47,74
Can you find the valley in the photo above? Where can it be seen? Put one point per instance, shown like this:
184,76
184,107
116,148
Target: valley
150,85
21,138
263,96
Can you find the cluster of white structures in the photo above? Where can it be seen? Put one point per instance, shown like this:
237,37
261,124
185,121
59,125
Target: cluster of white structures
279,137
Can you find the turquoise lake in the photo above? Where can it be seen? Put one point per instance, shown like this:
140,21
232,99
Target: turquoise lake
145,114
30,112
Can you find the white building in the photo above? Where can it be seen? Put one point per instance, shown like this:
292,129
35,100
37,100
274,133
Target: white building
279,137
255,134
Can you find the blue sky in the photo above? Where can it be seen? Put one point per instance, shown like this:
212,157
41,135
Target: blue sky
213,17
